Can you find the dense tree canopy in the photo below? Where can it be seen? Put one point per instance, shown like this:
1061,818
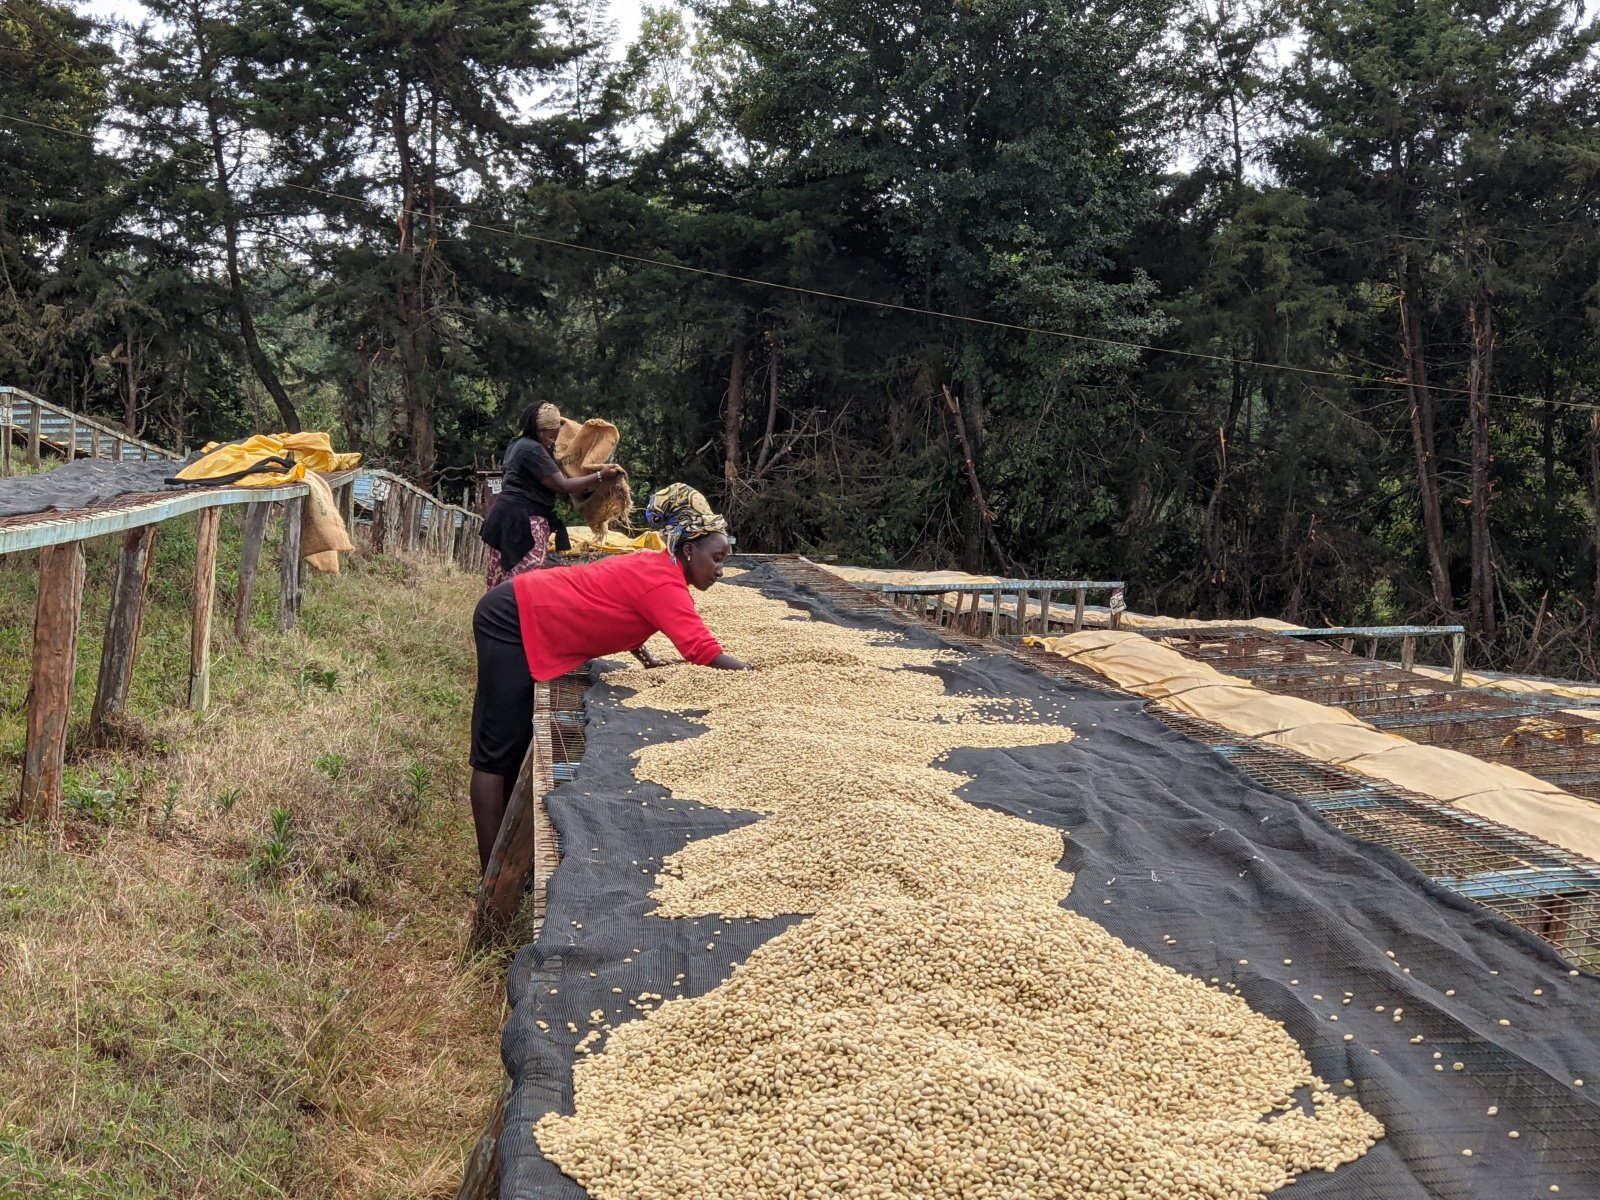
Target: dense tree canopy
1268,306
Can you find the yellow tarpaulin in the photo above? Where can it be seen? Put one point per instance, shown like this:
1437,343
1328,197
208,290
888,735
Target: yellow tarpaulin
323,535
584,541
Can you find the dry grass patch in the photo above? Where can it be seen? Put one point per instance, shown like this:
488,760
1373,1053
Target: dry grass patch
234,969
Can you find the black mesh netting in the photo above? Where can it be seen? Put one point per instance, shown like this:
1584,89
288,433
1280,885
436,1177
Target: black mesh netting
86,483
1184,846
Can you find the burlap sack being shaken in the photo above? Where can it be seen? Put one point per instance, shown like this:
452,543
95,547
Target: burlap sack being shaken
323,536
586,447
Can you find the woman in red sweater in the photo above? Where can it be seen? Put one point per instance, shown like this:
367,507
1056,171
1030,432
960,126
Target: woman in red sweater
542,624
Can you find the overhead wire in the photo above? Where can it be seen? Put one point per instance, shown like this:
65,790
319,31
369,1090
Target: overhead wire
1365,381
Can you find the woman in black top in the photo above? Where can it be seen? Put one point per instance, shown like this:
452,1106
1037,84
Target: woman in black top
518,529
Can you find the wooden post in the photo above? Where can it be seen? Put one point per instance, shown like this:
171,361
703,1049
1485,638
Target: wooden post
524,845
256,515
1458,657
34,429
481,1180
122,633
448,554
205,593
289,567
72,438
116,450
413,521
994,617
55,661
1115,606
1077,610
1372,649
1408,653
347,507
5,434
94,441
1348,645
380,519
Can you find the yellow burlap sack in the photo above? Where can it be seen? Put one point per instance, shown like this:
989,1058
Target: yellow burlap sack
323,536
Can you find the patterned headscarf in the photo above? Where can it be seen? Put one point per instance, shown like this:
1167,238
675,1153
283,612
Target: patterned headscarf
549,417
684,514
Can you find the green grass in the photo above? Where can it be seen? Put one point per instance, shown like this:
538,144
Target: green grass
233,967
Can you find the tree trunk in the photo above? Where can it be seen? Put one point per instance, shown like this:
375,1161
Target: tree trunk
978,519
772,404
730,430
1547,452
1422,438
1216,567
240,303
1594,503
1480,321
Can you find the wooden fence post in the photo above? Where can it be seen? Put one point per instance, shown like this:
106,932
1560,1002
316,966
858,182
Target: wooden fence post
289,568
1458,657
1077,610
1408,653
380,517
55,660
5,434
34,431
256,515
94,441
205,594
122,633
347,508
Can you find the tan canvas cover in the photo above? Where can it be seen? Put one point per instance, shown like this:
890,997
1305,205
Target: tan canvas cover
894,577
1538,687
1491,790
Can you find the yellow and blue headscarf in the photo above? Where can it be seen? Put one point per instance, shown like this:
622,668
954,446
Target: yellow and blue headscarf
684,515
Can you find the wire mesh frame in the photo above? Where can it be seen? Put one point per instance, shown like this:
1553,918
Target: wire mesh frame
1546,890
1495,866
558,730
1553,745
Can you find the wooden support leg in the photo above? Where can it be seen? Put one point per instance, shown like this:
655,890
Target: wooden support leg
481,1180
34,435
256,516
1348,645
1408,653
523,830
1077,609
205,594
55,661
122,633
5,434
1116,605
347,507
1372,649
289,567
72,438
1458,657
